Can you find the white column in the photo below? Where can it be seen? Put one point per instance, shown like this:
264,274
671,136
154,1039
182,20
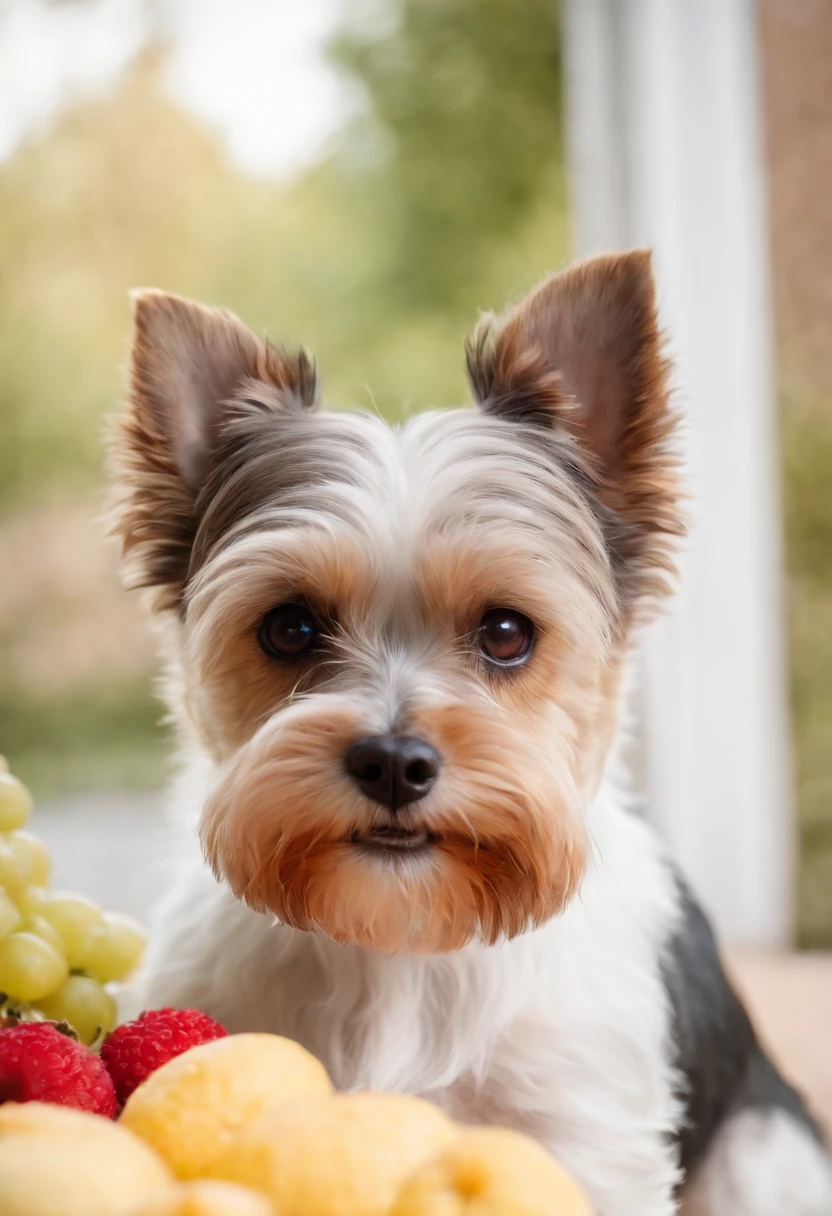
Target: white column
664,131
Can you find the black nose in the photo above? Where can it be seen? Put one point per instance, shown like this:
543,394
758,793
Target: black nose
393,769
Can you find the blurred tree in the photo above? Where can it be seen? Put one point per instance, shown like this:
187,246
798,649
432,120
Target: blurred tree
447,196
376,258
468,93
114,195
807,459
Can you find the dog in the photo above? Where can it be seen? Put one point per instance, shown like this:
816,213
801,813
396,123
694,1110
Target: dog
397,660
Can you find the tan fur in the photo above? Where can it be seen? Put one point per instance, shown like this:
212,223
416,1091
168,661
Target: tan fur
583,352
279,830
557,500
186,363
231,687
507,864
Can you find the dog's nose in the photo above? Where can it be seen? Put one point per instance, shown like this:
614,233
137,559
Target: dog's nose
393,769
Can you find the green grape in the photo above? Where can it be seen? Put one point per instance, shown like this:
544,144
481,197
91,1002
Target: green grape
33,857
42,928
9,916
30,968
12,870
33,900
84,1004
15,802
78,920
117,948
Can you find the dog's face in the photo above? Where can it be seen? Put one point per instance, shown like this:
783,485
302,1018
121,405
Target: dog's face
401,649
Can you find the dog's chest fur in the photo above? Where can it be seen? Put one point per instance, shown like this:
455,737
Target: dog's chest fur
564,1032
399,654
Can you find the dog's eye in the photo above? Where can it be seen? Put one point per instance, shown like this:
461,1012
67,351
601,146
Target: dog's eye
505,636
288,632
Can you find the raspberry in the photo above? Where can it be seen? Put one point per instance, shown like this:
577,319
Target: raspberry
136,1049
38,1063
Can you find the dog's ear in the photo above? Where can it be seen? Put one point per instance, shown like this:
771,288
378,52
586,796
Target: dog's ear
188,367
582,354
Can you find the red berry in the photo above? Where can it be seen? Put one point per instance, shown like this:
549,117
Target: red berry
136,1049
39,1064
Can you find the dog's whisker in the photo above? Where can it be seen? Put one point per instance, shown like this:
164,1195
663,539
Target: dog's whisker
398,655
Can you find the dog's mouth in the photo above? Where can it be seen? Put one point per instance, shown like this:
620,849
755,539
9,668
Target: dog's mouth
394,839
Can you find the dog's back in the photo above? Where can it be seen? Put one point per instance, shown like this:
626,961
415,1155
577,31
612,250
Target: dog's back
747,1143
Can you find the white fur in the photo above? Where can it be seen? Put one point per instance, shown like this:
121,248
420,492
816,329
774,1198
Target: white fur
563,1032
763,1163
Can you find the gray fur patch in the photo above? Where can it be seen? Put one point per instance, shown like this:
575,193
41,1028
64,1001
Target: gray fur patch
722,1067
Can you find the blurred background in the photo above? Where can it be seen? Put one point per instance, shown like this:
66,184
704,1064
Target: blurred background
359,177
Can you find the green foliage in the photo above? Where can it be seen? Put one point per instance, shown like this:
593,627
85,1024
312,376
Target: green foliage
448,196
376,259
103,736
807,460
468,94
379,263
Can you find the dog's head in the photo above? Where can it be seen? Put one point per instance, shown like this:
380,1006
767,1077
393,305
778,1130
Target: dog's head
401,649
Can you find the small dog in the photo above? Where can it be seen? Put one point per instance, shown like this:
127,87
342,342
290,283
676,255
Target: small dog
397,660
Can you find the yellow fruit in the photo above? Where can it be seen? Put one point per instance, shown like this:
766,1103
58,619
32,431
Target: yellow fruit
491,1172
42,1118
32,857
190,1108
42,928
78,920
346,1155
12,873
29,967
117,949
15,801
205,1199
52,1174
9,916
85,1005
33,900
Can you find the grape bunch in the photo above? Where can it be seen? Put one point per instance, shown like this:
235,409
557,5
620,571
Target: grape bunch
59,953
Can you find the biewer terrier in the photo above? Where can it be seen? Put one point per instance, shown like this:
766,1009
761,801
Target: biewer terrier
397,656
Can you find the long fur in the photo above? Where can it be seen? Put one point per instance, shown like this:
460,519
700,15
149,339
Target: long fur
515,969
